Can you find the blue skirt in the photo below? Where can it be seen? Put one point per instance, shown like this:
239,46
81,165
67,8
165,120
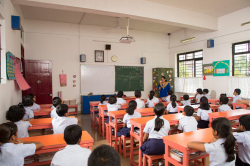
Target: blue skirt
203,124
123,131
153,147
172,112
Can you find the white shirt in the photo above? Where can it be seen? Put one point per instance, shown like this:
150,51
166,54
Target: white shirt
73,155
207,96
53,113
243,140
140,103
28,113
35,106
171,109
22,127
204,114
236,98
224,107
14,154
127,117
187,124
198,97
150,125
60,123
103,103
121,101
53,107
168,98
217,153
152,101
113,107
185,102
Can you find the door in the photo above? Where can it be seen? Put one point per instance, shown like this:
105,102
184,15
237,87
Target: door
38,74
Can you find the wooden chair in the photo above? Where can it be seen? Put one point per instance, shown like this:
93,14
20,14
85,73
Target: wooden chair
123,143
151,158
107,132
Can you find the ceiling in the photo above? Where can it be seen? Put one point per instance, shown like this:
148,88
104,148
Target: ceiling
215,8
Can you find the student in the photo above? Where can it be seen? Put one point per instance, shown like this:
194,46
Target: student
62,121
140,103
112,105
205,93
236,94
224,104
120,99
27,102
13,150
130,114
170,93
221,148
172,107
202,113
154,130
104,155
223,94
15,114
35,106
152,99
198,95
54,98
242,135
103,100
186,100
188,122
56,102
73,153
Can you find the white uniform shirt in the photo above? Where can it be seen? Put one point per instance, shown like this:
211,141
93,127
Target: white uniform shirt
171,109
150,125
127,117
152,101
35,107
236,98
198,97
168,98
73,155
217,153
60,123
22,127
121,101
28,113
185,102
224,107
14,154
53,107
53,113
140,103
204,114
103,103
243,140
113,107
207,96
187,124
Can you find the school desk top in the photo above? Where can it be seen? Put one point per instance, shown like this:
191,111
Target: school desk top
123,112
43,120
46,105
231,113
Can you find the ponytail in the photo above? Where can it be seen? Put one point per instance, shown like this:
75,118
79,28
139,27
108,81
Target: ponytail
173,99
159,110
131,107
103,98
229,147
158,123
151,94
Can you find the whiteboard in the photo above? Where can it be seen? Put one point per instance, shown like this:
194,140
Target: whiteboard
97,78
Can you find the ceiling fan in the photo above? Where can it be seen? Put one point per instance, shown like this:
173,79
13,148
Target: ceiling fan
117,25
127,39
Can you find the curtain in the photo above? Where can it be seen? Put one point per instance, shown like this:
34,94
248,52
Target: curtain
243,83
188,85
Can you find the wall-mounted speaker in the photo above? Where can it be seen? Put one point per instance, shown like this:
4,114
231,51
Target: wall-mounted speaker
82,58
107,47
210,43
143,60
15,22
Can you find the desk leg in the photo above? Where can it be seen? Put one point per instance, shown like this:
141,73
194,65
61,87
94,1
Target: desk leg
204,161
131,145
91,117
185,159
167,155
103,126
76,109
140,144
110,131
116,128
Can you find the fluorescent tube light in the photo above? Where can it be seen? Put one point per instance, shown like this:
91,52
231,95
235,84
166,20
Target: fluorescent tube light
192,38
245,23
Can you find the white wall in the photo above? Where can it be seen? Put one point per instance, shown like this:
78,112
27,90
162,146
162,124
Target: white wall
62,44
230,31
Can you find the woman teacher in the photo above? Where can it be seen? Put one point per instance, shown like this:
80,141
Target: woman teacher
163,87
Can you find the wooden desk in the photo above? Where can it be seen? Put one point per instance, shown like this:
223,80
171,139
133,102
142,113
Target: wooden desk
190,98
93,104
46,111
239,105
141,123
180,141
46,105
214,101
55,142
181,108
165,103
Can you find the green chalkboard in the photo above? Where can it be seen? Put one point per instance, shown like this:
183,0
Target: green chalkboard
129,78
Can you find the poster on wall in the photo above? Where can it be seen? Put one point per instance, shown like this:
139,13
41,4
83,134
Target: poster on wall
221,68
208,69
10,68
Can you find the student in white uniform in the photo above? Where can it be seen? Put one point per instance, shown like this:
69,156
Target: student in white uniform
170,93
120,99
154,130
221,149
140,103
188,122
103,100
15,114
54,98
56,102
73,154
186,100
205,93
202,113
35,106
62,121
172,107
224,104
236,94
152,99
112,105
198,96
27,102
13,150
242,135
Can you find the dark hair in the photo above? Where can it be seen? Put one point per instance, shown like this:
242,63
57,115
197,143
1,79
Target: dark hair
120,94
159,111
224,100
61,109
131,107
137,93
56,101
199,90
170,92
27,101
15,113
6,131
151,94
31,94
223,94
245,121
224,130
173,99
189,110
104,155
103,98
164,78
205,90
72,134
112,99
238,91
185,97
204,103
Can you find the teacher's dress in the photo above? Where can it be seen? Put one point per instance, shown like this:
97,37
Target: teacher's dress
164,89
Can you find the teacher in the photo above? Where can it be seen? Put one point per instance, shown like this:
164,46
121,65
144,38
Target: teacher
163,87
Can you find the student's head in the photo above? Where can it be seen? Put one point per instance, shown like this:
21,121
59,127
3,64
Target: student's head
138,94
199,91
112,99
205,91
245,123
159,111
151,94
27,101
223,100
104,155
120,94
62,110
223,94
15,113
204,103
186,97
131,107
163,79
170,92
72,134
56,101
173,100
8,132
222,128
237,92
103,98
188,111
33,96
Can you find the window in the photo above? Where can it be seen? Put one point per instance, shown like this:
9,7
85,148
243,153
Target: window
189,64
241,59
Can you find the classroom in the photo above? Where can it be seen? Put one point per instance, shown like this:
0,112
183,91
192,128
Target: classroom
135,82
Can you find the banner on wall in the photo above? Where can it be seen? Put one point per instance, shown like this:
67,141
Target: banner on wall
10,68
221,68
